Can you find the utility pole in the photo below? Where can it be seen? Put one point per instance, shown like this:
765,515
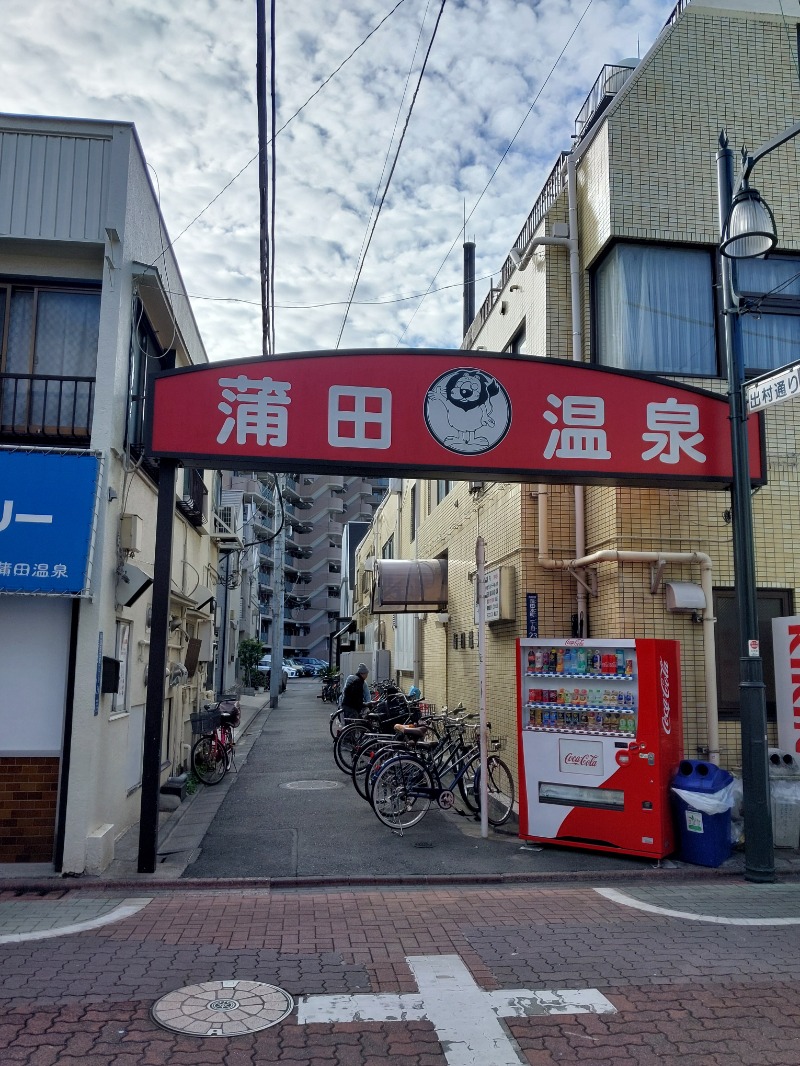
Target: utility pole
279,549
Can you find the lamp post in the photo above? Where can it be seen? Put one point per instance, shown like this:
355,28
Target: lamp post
747,230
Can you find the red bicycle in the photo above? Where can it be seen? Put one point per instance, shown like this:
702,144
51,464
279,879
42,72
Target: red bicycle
213,751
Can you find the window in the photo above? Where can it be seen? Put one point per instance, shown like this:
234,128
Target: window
769,340
517,343
772,603
145,353
413,510
48,356
387,551
654,310
442,489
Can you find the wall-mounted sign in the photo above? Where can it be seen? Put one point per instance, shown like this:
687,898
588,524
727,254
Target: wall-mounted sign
47,508
499,603
532,613
442,413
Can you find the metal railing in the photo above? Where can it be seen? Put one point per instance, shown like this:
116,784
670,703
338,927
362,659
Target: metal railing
553,187
611,79
677,11
36,406
194,501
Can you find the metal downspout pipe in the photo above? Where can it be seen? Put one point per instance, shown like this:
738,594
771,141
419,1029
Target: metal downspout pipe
571,244
706,582
577,356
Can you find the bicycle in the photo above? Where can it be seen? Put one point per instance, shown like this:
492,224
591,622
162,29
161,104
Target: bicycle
393,707
331,689
408,783
381,693
375,747
213,752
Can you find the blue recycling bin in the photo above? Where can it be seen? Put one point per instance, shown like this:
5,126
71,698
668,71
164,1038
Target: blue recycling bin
705,839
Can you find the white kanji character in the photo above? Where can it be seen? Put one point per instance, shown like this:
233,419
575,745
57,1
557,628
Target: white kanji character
582,435
59,570
669,422
5,517
5,569
260,410
41,570
21,569
359,418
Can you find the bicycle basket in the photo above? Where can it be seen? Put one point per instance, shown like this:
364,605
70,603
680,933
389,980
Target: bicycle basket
205,721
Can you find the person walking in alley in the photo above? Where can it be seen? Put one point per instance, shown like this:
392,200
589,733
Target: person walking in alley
356,695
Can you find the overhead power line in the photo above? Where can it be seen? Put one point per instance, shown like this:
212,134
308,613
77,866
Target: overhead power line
391,172
290,119
499,164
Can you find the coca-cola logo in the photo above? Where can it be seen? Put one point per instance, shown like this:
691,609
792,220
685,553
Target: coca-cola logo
571,759
574,642
666,722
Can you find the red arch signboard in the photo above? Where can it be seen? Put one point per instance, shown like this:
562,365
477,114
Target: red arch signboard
444,413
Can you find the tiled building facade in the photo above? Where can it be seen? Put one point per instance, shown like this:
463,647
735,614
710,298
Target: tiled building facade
647,230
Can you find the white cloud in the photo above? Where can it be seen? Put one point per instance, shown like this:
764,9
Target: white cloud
184,73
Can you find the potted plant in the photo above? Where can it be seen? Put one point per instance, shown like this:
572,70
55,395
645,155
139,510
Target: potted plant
249,656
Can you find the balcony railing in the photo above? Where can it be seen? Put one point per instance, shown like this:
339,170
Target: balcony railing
194,501
39,407
611,79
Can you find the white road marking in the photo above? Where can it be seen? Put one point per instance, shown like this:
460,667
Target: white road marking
466,1018
125,910
636,904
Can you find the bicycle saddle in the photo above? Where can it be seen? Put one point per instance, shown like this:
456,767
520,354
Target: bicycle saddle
411,732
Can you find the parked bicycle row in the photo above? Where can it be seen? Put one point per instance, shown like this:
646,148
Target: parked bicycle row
403,758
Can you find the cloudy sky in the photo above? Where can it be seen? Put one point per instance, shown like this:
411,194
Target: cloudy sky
184,72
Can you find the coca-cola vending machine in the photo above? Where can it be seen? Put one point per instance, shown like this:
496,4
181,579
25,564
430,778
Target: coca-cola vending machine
600,738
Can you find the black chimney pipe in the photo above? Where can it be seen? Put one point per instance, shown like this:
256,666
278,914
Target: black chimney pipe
469,285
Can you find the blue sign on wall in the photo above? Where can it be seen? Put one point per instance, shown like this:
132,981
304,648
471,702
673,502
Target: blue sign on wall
47,505
532,613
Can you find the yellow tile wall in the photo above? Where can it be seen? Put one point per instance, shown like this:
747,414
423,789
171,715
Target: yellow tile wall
648,173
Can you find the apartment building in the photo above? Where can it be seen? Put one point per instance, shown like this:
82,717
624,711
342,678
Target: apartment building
616,267
303,564
92,306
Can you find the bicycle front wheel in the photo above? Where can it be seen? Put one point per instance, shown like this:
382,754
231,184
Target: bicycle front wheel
402,792
368,761
346,745
500,790
209,761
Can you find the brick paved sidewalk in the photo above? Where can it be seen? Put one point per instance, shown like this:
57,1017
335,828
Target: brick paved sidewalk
688,992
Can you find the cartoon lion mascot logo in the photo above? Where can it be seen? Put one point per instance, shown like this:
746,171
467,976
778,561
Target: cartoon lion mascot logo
468,411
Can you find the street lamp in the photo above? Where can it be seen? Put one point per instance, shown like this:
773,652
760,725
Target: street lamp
747,231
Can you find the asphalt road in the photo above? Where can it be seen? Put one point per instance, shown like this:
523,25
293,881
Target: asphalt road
290,812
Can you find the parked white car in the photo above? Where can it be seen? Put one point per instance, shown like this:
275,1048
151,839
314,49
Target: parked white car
265,667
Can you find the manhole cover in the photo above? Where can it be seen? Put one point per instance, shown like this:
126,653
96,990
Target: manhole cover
310,785
222,1008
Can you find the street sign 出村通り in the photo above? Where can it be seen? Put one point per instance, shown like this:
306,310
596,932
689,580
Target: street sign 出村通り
440,413
774,388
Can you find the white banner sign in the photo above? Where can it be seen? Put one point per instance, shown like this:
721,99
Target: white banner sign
786,649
